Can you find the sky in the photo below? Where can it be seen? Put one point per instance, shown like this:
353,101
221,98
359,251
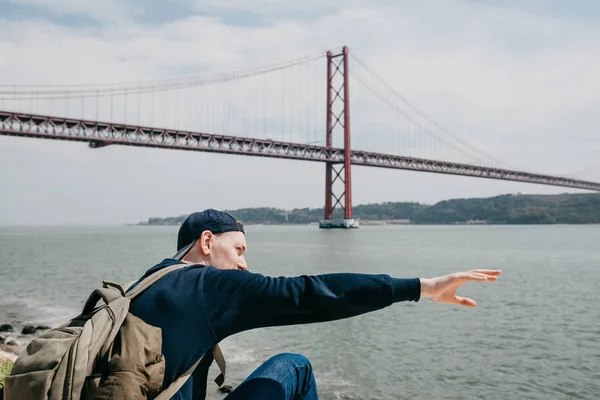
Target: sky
518,80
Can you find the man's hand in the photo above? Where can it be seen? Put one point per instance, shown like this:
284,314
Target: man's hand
443,289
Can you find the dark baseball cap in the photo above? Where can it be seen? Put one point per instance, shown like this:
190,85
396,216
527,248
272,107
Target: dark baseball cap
198,222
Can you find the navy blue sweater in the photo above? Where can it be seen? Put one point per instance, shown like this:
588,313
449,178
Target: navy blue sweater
198,306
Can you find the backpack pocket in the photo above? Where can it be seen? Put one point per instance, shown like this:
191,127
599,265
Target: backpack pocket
28,386
46,351
34,372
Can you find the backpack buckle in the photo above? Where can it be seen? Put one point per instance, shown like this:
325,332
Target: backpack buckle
115,285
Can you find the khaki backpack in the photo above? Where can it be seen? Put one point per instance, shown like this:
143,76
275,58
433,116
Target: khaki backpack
104,353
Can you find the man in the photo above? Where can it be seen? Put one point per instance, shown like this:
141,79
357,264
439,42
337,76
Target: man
216,296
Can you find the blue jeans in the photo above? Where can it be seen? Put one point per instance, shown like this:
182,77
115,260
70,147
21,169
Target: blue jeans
285,376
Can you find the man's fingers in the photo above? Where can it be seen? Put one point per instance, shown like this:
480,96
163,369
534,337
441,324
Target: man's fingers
486,277
472,276
492,272
464,301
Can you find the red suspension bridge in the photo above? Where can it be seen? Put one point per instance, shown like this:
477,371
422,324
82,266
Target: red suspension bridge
277,111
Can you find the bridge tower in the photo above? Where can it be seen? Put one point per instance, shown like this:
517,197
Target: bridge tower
338,120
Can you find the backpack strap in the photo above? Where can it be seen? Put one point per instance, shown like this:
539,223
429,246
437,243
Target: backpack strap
179,382
151,279
105,294
218,356
217,353
109,295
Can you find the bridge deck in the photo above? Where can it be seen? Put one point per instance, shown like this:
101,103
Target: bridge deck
99,134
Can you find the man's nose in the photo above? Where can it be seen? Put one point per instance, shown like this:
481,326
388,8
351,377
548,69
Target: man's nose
242,264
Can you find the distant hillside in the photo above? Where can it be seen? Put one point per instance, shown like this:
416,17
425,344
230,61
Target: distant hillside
505,209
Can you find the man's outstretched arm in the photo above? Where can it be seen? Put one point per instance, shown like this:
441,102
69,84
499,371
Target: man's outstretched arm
239,300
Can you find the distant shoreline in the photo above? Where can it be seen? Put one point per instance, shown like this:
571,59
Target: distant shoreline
509,209
363,223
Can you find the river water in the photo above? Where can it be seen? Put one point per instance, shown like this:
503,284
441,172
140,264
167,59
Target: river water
534,335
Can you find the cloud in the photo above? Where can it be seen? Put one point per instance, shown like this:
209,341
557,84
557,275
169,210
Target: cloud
518,84
106,11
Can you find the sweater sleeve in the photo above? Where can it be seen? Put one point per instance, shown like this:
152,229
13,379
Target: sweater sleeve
236,301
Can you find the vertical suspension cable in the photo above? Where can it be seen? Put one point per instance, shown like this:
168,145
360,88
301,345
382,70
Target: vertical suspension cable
412,139
244,106
282,112
226,110
205,111
233,106
401,135
139,107
186,110
294,81
263,111
211,112
233,102
305,102
112,101
314,91
202,115
125,107
167,117
82,104
292,115
177,107
200,111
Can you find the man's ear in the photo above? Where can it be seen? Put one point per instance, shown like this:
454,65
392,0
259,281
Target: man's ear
205,242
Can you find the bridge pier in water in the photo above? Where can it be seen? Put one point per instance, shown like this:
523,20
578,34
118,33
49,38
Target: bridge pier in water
337,73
